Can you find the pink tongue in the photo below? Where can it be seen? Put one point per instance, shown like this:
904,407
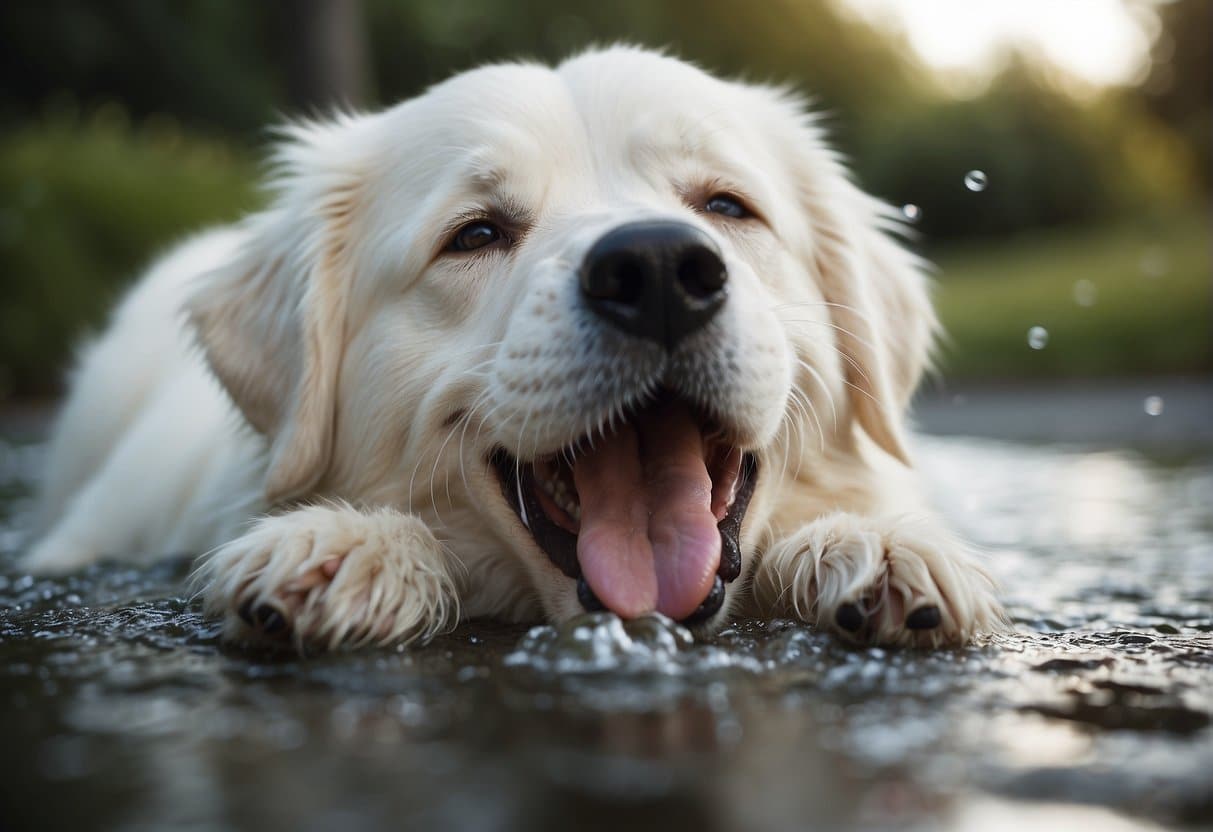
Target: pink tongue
648,536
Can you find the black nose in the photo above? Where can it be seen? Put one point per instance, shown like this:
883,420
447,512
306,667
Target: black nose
655,280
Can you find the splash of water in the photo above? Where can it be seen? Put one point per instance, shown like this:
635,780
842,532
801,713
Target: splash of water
976,181
1038,337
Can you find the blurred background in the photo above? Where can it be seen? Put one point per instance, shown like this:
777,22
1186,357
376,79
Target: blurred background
1054,158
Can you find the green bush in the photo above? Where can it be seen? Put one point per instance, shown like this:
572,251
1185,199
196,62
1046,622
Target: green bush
83,206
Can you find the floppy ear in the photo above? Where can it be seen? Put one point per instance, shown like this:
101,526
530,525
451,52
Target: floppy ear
271,319
877,291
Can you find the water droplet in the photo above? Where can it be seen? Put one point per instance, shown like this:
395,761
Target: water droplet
975,180
1154,262
911,212
1085,292
1153,405
1038,337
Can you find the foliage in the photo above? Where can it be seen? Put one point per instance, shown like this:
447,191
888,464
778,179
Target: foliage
1147,288
848,67
1180,86
205,64
82,207
1051,159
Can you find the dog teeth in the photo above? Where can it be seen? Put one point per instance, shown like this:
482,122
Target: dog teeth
562,494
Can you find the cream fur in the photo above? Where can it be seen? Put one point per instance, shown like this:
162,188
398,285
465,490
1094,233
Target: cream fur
326,367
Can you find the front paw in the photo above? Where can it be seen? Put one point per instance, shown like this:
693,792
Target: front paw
330,576
891,582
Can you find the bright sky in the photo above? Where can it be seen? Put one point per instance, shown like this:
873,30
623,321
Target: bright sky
1097,41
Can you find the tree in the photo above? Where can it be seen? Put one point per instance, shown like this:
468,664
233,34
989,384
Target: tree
325,53
1179,89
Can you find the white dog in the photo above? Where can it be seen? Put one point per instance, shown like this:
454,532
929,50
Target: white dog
617,334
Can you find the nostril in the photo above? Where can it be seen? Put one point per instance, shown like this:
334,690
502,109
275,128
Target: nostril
618,279
701,273
629,278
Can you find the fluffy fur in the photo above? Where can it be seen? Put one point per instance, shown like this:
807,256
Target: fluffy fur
326,367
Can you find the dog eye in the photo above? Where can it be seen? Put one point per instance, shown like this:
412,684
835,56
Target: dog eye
726,205
474,235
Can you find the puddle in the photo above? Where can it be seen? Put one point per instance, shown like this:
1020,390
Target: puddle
121,709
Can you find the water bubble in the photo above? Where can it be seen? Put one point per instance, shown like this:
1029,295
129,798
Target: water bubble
1154,262
911,212
976,181
1153,405
1038,337
1085,292
599,641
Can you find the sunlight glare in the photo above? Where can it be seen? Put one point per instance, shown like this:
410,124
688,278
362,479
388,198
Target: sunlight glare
1099,42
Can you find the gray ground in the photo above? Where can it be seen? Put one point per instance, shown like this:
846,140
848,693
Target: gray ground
1090,412
119,708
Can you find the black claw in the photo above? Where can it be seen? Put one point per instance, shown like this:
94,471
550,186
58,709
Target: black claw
710,606
264,617
730,557
924,618
849,617
270,620
589,601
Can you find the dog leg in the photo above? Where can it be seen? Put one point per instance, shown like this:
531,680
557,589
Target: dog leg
330,576
879,581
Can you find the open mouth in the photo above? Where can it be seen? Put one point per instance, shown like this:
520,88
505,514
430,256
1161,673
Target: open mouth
646,517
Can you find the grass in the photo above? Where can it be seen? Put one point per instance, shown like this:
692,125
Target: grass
1147,285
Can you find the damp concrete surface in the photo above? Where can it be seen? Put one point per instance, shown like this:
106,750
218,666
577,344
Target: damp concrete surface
121,709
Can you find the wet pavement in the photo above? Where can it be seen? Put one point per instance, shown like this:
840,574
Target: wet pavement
1151,413
120,709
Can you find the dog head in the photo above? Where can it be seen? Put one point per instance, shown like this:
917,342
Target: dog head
593,315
